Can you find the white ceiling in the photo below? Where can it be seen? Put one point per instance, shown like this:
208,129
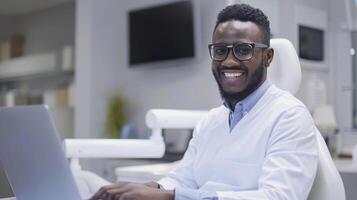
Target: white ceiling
18,7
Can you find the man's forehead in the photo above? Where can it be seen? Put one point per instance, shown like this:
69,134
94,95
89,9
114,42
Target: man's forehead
236,28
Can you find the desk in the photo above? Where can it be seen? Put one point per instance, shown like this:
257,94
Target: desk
345,166
144,173
348,173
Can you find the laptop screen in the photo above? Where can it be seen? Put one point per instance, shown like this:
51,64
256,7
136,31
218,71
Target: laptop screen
32,155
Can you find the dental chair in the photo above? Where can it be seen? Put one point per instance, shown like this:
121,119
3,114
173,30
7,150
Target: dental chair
285,72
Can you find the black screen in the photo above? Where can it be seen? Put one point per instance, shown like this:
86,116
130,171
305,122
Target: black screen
161,33
311,43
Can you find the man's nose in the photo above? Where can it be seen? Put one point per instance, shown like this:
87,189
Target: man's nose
231,60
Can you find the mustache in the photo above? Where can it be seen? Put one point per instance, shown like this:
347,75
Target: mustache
224,67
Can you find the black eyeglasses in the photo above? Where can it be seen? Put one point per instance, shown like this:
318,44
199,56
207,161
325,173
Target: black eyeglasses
242,51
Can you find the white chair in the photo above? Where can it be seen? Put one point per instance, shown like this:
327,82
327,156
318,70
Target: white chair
285,72
328,184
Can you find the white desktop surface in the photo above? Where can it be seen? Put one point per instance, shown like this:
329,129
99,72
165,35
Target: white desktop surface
345,166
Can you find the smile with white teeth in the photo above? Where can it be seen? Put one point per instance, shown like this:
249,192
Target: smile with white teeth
231,75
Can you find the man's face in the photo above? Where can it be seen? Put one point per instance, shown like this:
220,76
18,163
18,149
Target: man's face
237,79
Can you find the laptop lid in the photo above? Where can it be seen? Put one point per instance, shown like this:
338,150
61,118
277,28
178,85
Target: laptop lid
32,155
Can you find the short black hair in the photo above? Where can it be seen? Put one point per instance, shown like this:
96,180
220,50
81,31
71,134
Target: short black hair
245,12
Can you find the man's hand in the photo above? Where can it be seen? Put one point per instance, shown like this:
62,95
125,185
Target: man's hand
133,191
152,184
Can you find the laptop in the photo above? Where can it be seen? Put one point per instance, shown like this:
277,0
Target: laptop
32,155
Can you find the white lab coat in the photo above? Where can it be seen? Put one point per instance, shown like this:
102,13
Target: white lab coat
270,154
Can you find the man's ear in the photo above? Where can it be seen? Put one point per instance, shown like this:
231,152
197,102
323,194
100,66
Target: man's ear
269,54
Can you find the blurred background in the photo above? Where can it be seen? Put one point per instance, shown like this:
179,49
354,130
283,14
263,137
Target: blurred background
100,65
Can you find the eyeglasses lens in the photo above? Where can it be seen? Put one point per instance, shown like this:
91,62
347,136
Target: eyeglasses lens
243,51
219,52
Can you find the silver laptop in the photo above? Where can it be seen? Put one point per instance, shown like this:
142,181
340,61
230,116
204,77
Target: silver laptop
32,155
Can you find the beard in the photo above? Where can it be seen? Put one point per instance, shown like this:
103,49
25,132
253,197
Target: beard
254,82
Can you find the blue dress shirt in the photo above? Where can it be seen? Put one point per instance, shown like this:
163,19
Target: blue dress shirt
245,105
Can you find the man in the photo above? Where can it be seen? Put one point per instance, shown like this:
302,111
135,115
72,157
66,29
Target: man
259,145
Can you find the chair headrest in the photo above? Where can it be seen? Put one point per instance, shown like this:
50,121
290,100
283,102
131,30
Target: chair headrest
285,70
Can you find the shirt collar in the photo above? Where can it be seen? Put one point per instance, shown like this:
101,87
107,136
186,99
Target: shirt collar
248,102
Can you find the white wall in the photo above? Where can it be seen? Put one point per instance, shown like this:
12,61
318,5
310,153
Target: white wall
6,24
45,30
104,67
49,29
341,64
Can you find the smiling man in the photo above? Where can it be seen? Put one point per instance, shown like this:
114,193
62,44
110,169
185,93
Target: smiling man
260,144
237,71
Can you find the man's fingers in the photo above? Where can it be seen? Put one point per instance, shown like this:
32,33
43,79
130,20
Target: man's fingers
152,184
103,191
100,194
120,190
125,196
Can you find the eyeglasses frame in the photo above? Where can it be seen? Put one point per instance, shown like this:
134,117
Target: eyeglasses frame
231,46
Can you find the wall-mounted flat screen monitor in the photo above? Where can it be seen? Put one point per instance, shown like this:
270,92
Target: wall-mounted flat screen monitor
311,43
159,33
